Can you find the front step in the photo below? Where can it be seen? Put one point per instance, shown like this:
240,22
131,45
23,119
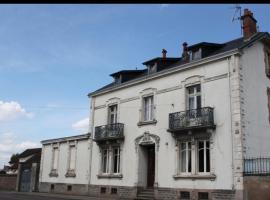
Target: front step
146,194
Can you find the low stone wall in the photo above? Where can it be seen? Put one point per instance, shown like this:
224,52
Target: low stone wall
8,182
257,187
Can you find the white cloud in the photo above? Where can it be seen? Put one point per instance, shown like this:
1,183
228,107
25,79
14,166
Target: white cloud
81,125
12,110
10,145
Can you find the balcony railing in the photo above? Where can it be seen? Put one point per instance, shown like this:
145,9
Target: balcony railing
257,166
109,132
191,119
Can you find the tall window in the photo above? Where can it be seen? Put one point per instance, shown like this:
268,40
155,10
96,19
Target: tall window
268,97
55,158
116,160
185,157
148,108
111,159
105,160
267,62
194,97
203,156
112,114
200,149
72,157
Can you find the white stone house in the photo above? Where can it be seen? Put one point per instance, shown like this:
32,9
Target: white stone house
181,128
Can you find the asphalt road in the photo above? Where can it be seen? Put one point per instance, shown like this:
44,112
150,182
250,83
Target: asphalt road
41,196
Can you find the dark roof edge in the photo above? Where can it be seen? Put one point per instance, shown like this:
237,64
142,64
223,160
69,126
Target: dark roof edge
64,139
128,71
160,58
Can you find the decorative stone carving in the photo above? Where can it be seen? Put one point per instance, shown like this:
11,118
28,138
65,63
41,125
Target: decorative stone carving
147,139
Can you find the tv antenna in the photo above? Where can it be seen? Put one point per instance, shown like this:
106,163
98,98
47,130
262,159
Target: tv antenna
236,17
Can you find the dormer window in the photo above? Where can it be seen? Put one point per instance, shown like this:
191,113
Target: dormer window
196,55
117,79
152,68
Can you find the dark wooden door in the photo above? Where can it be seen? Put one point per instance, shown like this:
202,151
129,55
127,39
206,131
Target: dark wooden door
150,166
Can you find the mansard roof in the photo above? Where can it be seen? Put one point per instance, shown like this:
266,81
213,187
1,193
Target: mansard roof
212,50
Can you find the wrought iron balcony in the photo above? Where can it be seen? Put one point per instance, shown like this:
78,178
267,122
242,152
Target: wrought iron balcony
192,119
109,132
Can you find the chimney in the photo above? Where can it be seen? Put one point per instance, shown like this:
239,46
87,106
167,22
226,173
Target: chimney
185,55
249,24
164,53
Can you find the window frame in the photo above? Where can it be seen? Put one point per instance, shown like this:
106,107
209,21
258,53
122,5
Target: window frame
54,160
150,106
113,113
194,157
109,172
194,95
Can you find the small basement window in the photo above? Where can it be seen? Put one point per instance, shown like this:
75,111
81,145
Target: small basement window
184,195
69,188
203,196
102,190
113,190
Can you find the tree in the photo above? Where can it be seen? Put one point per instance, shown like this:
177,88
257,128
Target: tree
14,161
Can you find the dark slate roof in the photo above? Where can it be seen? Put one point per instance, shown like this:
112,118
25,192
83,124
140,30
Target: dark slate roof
29,152
238,43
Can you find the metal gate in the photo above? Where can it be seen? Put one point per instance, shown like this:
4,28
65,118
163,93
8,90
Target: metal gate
25,180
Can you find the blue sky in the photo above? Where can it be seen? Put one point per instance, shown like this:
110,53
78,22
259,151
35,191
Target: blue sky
52,56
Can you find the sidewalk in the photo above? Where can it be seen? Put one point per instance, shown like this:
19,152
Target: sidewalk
58,196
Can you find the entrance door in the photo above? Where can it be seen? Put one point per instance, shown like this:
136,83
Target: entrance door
25,180
150,166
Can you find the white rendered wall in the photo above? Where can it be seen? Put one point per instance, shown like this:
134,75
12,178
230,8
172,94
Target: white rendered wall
215,93
82,164
255,83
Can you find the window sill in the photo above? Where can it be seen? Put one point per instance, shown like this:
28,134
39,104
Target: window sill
193,177
53,173
70,173
120,176
146,122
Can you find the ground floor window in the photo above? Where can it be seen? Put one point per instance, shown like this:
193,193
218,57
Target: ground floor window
110,159
194,156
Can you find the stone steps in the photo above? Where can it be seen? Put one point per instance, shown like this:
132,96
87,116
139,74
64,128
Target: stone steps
146,194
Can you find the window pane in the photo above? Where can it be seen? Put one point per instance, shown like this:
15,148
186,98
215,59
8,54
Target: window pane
185,157
198,88
198,102
116,160
113,114
189,160
183,161
148,108
191,103
201,156
104,161
207,160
